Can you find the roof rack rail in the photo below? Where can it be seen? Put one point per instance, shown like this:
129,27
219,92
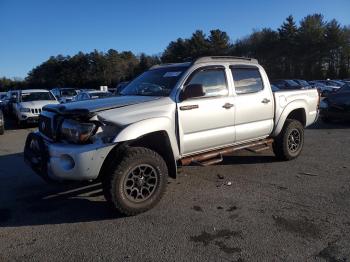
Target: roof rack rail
204,59
168,64
211,58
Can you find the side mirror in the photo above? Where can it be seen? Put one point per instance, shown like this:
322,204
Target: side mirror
192,91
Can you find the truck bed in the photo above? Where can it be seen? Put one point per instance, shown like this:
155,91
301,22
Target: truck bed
308,99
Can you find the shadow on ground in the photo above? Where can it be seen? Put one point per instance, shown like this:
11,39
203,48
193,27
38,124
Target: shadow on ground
10,124
251,159
26,200
333,125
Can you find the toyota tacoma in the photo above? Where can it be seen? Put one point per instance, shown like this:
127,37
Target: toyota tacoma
171,115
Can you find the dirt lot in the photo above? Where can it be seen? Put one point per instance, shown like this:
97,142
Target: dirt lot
272,211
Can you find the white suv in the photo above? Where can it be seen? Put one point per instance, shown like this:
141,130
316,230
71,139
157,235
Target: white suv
30,103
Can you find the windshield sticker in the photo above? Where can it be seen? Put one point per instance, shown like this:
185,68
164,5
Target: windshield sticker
171,74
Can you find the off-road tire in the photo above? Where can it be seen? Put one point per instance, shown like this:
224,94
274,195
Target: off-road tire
114,180
281,146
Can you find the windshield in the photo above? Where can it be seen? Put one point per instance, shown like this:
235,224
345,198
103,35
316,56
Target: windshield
68,92
156,82
36,96
100,95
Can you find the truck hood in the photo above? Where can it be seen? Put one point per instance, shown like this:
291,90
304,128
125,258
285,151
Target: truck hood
163,107
38,104
89,108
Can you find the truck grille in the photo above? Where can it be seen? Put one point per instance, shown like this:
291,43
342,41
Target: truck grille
35,110
45,126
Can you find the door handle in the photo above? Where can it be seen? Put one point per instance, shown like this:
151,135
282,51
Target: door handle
189,107
227,105
265,101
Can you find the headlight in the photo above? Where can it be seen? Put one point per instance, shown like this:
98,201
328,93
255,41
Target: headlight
25,110
76,132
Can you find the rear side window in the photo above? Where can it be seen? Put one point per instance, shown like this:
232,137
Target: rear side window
213,81
247,80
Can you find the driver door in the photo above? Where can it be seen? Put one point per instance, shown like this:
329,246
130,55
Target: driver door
207,122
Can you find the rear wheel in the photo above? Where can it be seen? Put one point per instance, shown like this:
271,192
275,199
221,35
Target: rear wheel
289,143
137,182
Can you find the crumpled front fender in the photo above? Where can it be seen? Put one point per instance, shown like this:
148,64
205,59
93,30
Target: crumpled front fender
147,126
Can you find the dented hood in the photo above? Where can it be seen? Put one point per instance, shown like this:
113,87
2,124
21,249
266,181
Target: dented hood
91,107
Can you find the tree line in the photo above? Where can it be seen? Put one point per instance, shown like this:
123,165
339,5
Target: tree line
312,49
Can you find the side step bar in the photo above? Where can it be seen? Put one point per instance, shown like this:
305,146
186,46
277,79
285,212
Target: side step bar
213,157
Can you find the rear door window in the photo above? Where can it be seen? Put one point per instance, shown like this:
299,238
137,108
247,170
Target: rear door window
247,80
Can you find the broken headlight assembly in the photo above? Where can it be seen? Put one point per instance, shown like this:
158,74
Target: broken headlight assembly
76,132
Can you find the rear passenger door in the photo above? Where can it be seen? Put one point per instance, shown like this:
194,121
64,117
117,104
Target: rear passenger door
207,122
253,102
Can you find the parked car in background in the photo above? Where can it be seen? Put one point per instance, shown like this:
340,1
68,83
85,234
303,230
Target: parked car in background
64,95
2,122
336,106
303,83
331,83
3,97
322,88
30,103
80,91
120,87
10,100
286,84
274,88
92,94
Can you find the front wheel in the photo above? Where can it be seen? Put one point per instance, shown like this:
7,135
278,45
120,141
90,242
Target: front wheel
137,182
289,143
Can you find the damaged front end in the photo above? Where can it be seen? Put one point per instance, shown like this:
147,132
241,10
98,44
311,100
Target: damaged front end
70,145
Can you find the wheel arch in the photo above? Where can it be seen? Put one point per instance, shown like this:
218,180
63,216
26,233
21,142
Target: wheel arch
296,110
157,141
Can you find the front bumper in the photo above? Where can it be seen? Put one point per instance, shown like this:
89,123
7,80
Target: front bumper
32,119
60,161
29,117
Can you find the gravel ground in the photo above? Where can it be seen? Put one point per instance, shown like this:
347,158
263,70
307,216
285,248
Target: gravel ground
272,211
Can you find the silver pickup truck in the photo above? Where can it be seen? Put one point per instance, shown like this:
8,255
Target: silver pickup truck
171,115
